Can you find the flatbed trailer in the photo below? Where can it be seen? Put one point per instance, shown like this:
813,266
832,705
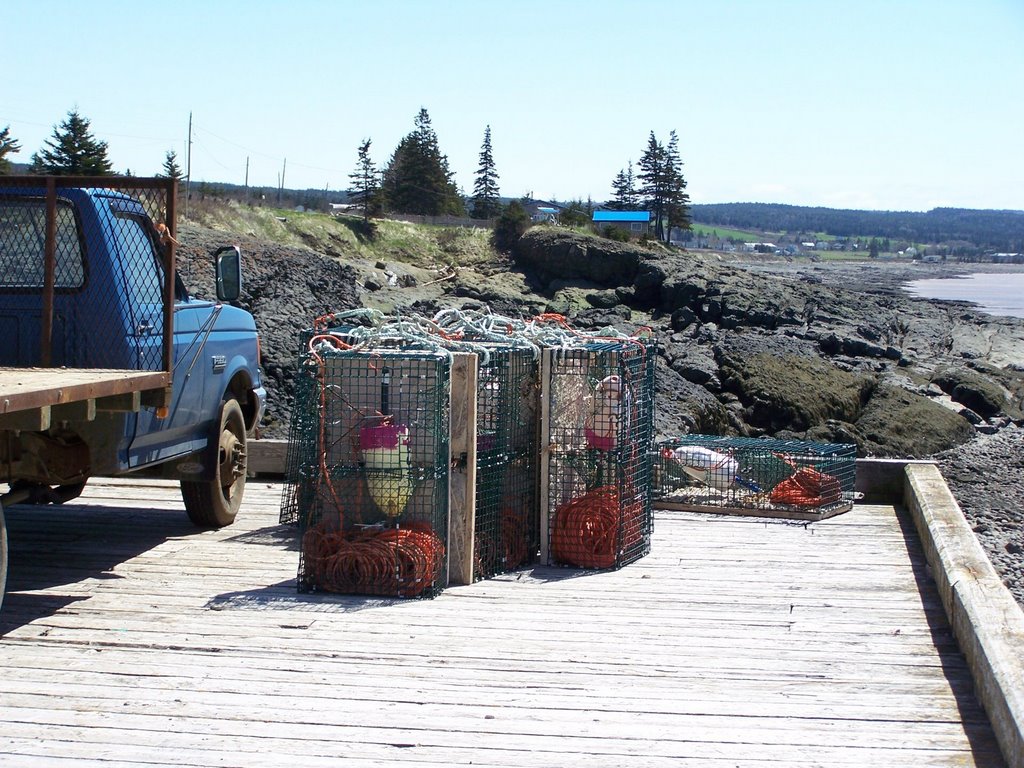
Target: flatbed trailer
33,399
30,394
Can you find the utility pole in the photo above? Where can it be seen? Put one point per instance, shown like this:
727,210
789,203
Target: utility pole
188,166
246,177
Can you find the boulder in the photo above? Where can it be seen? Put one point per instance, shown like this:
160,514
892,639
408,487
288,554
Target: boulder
553,253
895,422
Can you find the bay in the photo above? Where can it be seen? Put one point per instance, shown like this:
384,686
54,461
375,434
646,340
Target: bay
994,293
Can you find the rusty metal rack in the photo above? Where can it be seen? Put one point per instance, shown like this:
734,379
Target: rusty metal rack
43,265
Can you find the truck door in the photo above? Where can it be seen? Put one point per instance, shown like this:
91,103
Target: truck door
182,430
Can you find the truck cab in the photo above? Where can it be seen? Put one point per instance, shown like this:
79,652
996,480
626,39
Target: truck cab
87,281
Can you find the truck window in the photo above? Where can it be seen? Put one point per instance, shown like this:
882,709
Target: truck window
142,268
23,241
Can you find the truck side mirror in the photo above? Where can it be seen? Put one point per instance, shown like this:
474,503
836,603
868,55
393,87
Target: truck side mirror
228,265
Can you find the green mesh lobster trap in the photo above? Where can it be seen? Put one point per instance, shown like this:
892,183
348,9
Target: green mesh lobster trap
506,533
755,476
597,427
368,464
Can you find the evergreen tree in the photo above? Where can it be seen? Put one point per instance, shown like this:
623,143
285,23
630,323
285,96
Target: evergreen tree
486,198
72,151
8,146
677,201
652,178
624,188
663,189
417,179
510,227
365,190
171,168
574,214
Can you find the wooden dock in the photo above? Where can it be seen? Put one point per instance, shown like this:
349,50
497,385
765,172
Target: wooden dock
129,638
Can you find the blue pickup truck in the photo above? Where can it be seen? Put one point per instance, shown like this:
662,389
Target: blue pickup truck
107,364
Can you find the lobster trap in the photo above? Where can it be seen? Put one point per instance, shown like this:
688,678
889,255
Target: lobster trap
597,425
763,477
368,471
506,531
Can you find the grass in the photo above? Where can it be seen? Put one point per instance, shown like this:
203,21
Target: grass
415,244
725,233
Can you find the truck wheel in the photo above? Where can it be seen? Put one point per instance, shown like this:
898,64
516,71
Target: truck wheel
215,503
3,555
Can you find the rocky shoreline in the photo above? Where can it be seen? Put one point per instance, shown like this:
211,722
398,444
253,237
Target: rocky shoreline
825,352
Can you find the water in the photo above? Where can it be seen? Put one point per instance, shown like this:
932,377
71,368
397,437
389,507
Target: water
997,293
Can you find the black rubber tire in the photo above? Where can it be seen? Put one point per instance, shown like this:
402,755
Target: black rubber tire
3,555
215,503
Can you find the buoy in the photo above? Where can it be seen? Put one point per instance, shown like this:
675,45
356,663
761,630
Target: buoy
714,469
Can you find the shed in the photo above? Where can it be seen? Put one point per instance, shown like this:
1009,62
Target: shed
635,222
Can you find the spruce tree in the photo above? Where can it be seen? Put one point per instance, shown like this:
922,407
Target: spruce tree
365,190
8,146
677,201
417,179
625,197
652,178
73,151
663,189
171,168
486,197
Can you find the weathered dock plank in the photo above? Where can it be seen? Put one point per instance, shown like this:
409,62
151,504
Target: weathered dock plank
130,638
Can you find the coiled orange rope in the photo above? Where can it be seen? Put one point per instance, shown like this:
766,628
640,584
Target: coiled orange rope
586,530
807,487
400,561
492,557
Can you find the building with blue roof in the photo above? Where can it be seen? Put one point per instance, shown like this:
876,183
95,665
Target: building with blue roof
634,222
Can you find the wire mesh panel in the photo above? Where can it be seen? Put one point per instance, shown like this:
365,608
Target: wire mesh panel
784,478
598,428
507,529
86,267
368,471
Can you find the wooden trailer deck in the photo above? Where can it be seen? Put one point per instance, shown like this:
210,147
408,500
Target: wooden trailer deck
129,638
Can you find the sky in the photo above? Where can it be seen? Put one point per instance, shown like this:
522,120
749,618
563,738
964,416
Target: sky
866,104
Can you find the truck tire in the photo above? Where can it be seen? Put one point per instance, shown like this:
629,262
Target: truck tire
215,503
3,555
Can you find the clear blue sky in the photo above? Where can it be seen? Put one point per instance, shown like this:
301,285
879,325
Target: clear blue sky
882,104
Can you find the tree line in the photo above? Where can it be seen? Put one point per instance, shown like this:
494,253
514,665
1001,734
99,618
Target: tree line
72,150
983,229
416,179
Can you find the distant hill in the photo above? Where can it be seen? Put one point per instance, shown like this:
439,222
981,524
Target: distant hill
993,230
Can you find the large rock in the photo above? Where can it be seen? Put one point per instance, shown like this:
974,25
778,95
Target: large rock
979,393
557,254
896,422
784,386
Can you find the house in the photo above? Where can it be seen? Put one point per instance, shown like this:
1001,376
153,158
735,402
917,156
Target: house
634,222
542,212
